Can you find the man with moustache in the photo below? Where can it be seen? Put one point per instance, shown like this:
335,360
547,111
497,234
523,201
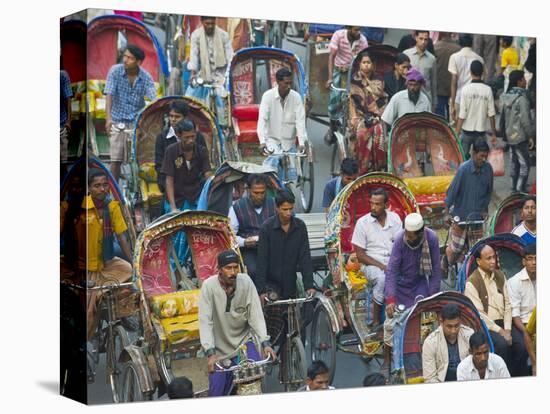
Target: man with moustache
125,89
424,61
481,363
410,100
230,317
527,229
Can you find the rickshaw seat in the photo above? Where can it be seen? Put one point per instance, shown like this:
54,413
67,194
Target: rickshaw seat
245,118
148,185
246,112
247,131
429,185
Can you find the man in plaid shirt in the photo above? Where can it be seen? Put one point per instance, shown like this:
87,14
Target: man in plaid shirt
126,87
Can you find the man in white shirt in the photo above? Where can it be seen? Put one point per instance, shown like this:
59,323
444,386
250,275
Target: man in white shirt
424,61
522,289
459,66
282,118
318,377
407,101
476,106
481,364
372,241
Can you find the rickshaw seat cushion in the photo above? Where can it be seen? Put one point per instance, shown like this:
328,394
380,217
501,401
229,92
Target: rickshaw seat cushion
429,185
150,192
246,112
147,172
248,131
173,305
431,200
181,328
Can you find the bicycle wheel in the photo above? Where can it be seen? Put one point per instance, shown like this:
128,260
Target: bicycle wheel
323,340
115,346
306,184
131,385
296,366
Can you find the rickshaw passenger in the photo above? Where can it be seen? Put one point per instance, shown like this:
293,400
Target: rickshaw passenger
413,272
410,100
247,216
211,53
527,229
66,93
468,197
488,290
445,347
481,363
100,220
282,118
126,86
395,80
344,45
283,250
178,111
349,171
230,314
367,103
372,241
522,289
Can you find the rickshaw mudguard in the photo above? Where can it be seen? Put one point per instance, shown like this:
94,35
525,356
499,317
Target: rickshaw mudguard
507,241
506,216
400,329
135,354
332,312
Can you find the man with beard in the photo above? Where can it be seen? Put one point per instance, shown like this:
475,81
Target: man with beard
481,363
247,216
230,318
413,272
372,240
186,166
125,89
527,229
410,100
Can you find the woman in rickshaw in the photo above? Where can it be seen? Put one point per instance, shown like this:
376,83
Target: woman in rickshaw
368,101
394,80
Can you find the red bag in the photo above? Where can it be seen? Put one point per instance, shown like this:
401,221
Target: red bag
496,159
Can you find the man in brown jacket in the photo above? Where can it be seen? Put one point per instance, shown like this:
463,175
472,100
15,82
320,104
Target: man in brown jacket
487,289
445,347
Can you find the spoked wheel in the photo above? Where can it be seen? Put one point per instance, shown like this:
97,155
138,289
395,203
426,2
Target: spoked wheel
131,384
338,154
297,366
306,184
323,340
120,340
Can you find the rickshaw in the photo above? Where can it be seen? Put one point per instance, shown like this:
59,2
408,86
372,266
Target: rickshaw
383,57
169,346
507,215
422,319
73,61
425,152
509,251
145,194
107,35
346,306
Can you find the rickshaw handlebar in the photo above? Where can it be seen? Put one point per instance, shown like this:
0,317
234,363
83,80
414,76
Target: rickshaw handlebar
334,88
288,301
109,287
291,153
247,364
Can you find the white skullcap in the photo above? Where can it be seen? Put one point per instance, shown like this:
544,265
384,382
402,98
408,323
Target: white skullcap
414,222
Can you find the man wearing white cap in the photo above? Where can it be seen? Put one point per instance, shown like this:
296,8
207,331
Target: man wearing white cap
413,272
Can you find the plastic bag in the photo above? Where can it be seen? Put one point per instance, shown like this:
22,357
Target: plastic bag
496,159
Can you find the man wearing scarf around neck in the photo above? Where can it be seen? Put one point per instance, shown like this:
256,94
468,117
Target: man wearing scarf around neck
413,273
99,222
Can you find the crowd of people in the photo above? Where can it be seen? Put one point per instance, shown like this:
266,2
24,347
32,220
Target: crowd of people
400,259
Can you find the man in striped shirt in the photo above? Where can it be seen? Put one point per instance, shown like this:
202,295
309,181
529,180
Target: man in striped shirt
344,45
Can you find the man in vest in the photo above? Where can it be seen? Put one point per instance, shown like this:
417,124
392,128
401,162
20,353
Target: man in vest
487,289
247,216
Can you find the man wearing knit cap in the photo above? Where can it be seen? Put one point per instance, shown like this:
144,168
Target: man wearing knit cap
413,273
230,317
410,100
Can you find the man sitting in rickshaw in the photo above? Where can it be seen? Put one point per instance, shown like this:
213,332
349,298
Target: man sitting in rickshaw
445,347
100,220
282,118
178,111
372,241
349,170
247,216
481,363
527,229
413,272
230,315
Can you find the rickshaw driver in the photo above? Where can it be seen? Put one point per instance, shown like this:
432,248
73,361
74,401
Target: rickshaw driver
126,86
230,314
372,241
413,272
282,118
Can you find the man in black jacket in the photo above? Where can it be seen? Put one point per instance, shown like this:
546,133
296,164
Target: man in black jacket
283,250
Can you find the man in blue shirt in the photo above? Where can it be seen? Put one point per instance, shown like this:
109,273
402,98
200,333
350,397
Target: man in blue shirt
65,113
468,197
126,87
349,169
